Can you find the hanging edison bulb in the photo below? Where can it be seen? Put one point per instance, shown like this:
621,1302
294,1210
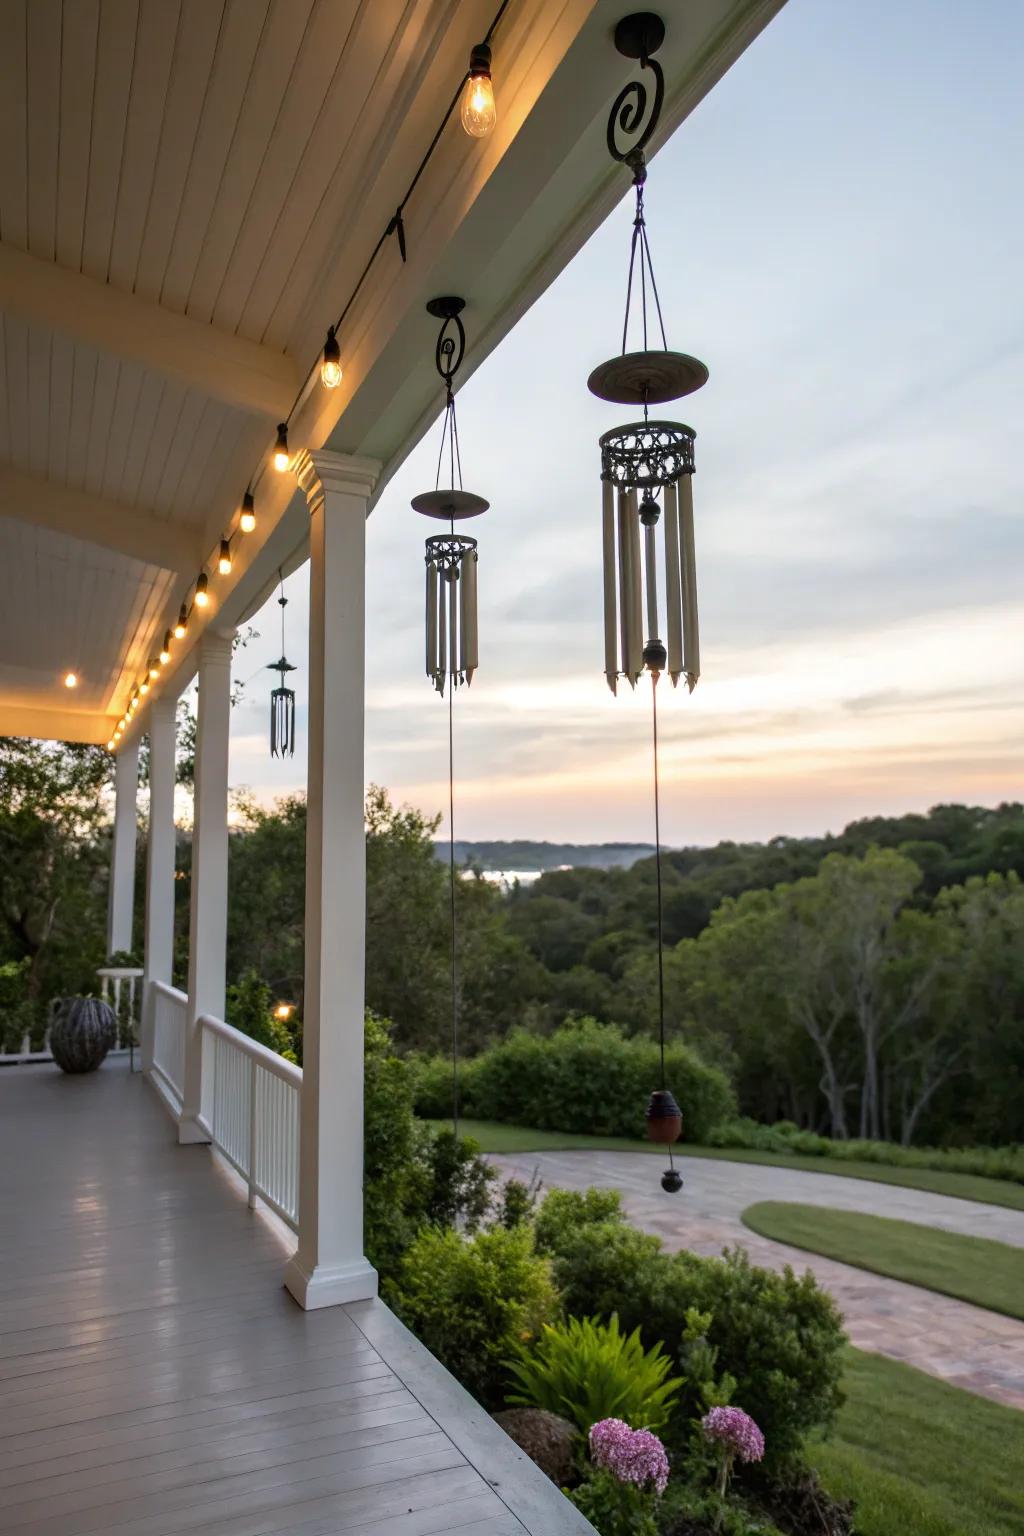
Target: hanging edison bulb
641,461
247,516
282,458
478,112
330,366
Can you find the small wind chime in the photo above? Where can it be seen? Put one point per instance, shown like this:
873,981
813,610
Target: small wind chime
282,698
639,461
452,651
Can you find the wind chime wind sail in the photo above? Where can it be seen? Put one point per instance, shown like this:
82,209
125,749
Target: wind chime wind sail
639,461
282,698
452,644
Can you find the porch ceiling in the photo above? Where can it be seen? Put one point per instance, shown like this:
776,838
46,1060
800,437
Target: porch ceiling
188,191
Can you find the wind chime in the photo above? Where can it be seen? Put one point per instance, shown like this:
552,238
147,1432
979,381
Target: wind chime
452,651
639,461
282,698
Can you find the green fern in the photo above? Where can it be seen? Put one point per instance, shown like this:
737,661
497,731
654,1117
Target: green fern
586,1371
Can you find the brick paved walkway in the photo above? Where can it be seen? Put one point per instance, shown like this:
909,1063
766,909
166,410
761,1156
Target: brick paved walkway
965,1345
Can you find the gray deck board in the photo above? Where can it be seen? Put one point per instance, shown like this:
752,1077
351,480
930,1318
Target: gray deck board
155,1378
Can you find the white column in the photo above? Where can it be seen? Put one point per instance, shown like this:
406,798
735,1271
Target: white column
329,1266
159,951
208,918
121,905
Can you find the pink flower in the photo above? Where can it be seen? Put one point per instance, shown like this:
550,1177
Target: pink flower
633,1455
735,1431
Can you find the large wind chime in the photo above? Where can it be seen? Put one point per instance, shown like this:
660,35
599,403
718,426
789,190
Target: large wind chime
640,462
452,651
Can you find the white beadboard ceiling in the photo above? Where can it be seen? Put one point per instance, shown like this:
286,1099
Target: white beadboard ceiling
188,190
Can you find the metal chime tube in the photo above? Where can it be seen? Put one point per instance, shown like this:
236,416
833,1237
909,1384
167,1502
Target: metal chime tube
451,577
691,633
432,621
470,642
673,585
636,628
611,661
624,585
651,581
442,634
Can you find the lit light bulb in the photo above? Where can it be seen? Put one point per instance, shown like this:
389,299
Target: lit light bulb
165,649
478,112
182,624
247,519
330,368
152,668
144,685
202,595
111,744
282,458
71,680
284,1010
224,558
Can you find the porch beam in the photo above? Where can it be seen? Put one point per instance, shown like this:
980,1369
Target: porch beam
55,724
97,520
225,366
329,1266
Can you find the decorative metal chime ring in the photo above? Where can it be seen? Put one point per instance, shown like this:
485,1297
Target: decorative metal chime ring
446,550
645,455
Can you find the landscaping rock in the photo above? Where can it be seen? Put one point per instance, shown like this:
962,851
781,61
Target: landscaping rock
547,1439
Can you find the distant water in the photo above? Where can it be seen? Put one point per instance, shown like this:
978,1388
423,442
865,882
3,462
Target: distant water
508,877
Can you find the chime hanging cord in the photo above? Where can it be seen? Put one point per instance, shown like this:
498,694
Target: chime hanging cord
646,269
657,867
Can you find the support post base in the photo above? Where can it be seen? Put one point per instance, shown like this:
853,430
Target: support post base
190,1132
330,1285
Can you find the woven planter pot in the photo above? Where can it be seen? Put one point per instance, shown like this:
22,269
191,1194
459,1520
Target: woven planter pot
82,1032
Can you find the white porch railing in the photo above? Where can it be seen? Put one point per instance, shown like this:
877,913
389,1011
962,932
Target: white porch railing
170,1020
251,1110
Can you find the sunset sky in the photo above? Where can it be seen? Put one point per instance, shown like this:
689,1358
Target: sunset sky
837,233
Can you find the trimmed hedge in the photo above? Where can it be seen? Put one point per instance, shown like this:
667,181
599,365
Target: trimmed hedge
585,1078
985,1162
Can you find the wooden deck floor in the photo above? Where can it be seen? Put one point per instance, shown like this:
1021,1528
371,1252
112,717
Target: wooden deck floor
155,1377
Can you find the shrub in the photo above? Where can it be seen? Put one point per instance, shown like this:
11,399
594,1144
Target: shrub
473,1300
431,1078
411,1175
564,1211
586,1371
584,1078
778,1337
620,1509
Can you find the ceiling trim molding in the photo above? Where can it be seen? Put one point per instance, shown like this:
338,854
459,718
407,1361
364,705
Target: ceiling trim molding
226,367
55,724
95,520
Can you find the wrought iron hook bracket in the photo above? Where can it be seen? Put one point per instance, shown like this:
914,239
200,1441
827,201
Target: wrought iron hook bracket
638,36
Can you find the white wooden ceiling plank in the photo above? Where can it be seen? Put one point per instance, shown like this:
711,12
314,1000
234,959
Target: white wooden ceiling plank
190,491
104,393
417,72
137,446
83,382
39,341
114,55
229,82
164,439
279,47
79,39
314,79
155,47
164,497
13,124
130,377
369,84
43,65
194,52
62,367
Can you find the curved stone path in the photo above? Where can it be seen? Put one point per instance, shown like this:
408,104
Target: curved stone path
963,1344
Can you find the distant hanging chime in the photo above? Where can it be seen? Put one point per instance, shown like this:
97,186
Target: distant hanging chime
282,699
639,461
452,650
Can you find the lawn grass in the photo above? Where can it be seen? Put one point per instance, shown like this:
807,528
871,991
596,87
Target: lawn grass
974,1269
494,1137
922,1458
